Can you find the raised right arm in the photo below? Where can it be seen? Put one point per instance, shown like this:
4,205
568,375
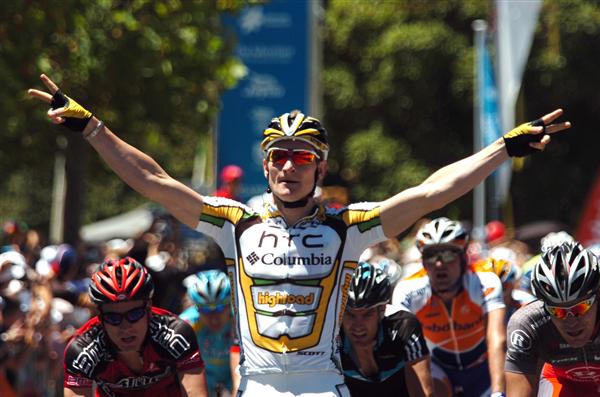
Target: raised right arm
134,167
143,174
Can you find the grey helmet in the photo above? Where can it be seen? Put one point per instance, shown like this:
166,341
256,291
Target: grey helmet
565,273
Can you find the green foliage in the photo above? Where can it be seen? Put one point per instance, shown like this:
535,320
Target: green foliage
398,78
562,72
152,70
408,66
378,156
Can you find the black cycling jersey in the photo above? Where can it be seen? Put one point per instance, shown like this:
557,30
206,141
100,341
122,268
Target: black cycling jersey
399,341
532,339
170,347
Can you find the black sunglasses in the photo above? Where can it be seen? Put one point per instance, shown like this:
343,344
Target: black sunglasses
133,316
446,256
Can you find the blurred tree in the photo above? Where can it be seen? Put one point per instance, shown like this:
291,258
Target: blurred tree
397,79
398,84
152,70
563,71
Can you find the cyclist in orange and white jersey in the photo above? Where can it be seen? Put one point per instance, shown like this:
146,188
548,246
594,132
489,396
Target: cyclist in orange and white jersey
290,265
461,312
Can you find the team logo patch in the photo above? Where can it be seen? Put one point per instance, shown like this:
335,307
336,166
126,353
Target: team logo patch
520,340
252,258
585,374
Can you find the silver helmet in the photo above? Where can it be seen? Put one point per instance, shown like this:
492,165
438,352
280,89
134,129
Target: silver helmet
565,273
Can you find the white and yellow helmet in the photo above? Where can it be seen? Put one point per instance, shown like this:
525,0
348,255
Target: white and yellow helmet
297,127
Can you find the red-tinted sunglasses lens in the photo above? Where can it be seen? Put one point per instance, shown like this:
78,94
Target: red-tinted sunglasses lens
303,158
575,311
299,157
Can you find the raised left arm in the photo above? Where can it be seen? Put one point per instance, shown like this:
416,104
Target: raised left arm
496,347
456,179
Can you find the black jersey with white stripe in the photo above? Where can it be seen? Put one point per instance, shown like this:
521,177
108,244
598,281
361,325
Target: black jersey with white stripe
400,341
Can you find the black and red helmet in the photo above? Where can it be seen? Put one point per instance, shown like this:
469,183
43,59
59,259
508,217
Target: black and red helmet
119,280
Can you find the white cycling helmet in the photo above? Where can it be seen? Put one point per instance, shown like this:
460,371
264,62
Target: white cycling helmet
595,249
553,239
444,232
565,273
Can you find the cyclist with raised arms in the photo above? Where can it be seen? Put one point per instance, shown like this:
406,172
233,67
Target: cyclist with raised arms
461,312
557,335
291,264
210,316
131,348
382,355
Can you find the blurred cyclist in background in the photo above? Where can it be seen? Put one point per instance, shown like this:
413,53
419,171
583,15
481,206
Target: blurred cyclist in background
461,312
508,273
382,355
210,316
231,182
131,348
548,242
557,335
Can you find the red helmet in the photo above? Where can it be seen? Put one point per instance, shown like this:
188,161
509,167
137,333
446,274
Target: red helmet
495,231
230,173
119,280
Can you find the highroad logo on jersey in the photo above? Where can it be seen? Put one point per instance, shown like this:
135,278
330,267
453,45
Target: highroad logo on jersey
278,298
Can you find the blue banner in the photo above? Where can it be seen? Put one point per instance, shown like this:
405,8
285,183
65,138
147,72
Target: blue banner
273,42
490,126
488,97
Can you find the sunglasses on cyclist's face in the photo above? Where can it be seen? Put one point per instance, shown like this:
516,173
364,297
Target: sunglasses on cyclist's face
298,156
208,309
133,316
576,310
447,256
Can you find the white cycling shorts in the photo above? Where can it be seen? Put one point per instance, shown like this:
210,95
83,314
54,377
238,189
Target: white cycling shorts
328,384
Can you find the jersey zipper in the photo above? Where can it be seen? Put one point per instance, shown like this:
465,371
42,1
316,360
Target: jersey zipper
451,324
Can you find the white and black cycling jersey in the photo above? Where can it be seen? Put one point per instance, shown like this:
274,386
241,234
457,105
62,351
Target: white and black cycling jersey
290,282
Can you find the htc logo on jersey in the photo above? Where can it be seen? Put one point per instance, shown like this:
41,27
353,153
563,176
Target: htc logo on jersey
307,240
265,298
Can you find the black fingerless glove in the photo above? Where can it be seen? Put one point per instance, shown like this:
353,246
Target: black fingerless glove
76,116
518,139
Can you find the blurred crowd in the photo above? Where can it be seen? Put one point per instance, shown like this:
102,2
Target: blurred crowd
44,293
43,287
